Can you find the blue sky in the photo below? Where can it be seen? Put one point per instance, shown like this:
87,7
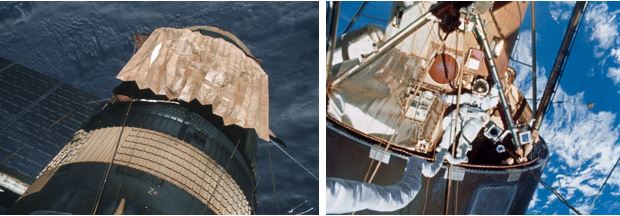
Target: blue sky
584,142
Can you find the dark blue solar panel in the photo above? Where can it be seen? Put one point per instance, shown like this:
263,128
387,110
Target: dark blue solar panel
38,116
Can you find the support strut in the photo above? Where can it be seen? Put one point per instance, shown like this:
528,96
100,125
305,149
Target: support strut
560,62
506,111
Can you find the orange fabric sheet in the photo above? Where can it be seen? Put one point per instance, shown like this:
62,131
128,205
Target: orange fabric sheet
186,65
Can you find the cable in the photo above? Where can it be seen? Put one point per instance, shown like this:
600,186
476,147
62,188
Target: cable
107,173
560,197
306,211
604,183
222,173
7,67
302,166
453,132
273,181
258,181
374,17
98,101
300,204
354,19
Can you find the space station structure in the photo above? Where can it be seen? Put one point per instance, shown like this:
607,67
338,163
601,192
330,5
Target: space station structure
399,91
178,136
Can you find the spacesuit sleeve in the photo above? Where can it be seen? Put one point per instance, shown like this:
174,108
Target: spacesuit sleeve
451,99
345,196
492,99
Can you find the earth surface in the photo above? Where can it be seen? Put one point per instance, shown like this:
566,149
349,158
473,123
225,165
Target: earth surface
85,44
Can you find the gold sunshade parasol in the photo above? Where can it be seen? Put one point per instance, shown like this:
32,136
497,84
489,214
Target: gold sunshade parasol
187,65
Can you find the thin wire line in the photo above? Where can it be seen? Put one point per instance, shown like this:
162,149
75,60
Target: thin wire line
222,170
425,196
354,19
560,197
294,208
368,170
374,17
302,166
107,173
604,183
273,181
453,131
306,211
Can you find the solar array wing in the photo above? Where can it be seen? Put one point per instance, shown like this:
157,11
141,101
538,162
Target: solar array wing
38,115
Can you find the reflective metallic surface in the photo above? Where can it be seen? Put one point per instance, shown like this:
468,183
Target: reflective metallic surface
186,65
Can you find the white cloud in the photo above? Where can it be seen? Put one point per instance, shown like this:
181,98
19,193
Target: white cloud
523,79
534,201
603,25
585,209
550,198
584,143
614,75
560,10
615,52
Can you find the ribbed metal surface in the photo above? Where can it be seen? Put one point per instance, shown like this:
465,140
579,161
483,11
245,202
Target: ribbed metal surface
74,188
184,124
160,155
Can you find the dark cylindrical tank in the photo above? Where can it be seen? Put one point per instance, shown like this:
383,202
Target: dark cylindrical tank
149,157
474,190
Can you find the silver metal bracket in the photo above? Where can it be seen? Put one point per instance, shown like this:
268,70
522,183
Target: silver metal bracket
377,153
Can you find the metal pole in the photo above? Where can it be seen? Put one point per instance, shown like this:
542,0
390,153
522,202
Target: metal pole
560,61
332,36
482,40
389,44
534,68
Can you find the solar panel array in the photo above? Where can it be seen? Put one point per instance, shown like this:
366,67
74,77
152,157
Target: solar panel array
38,116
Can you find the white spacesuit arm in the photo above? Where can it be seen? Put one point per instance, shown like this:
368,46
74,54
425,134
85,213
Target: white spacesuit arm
451,99
491,99
345,196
